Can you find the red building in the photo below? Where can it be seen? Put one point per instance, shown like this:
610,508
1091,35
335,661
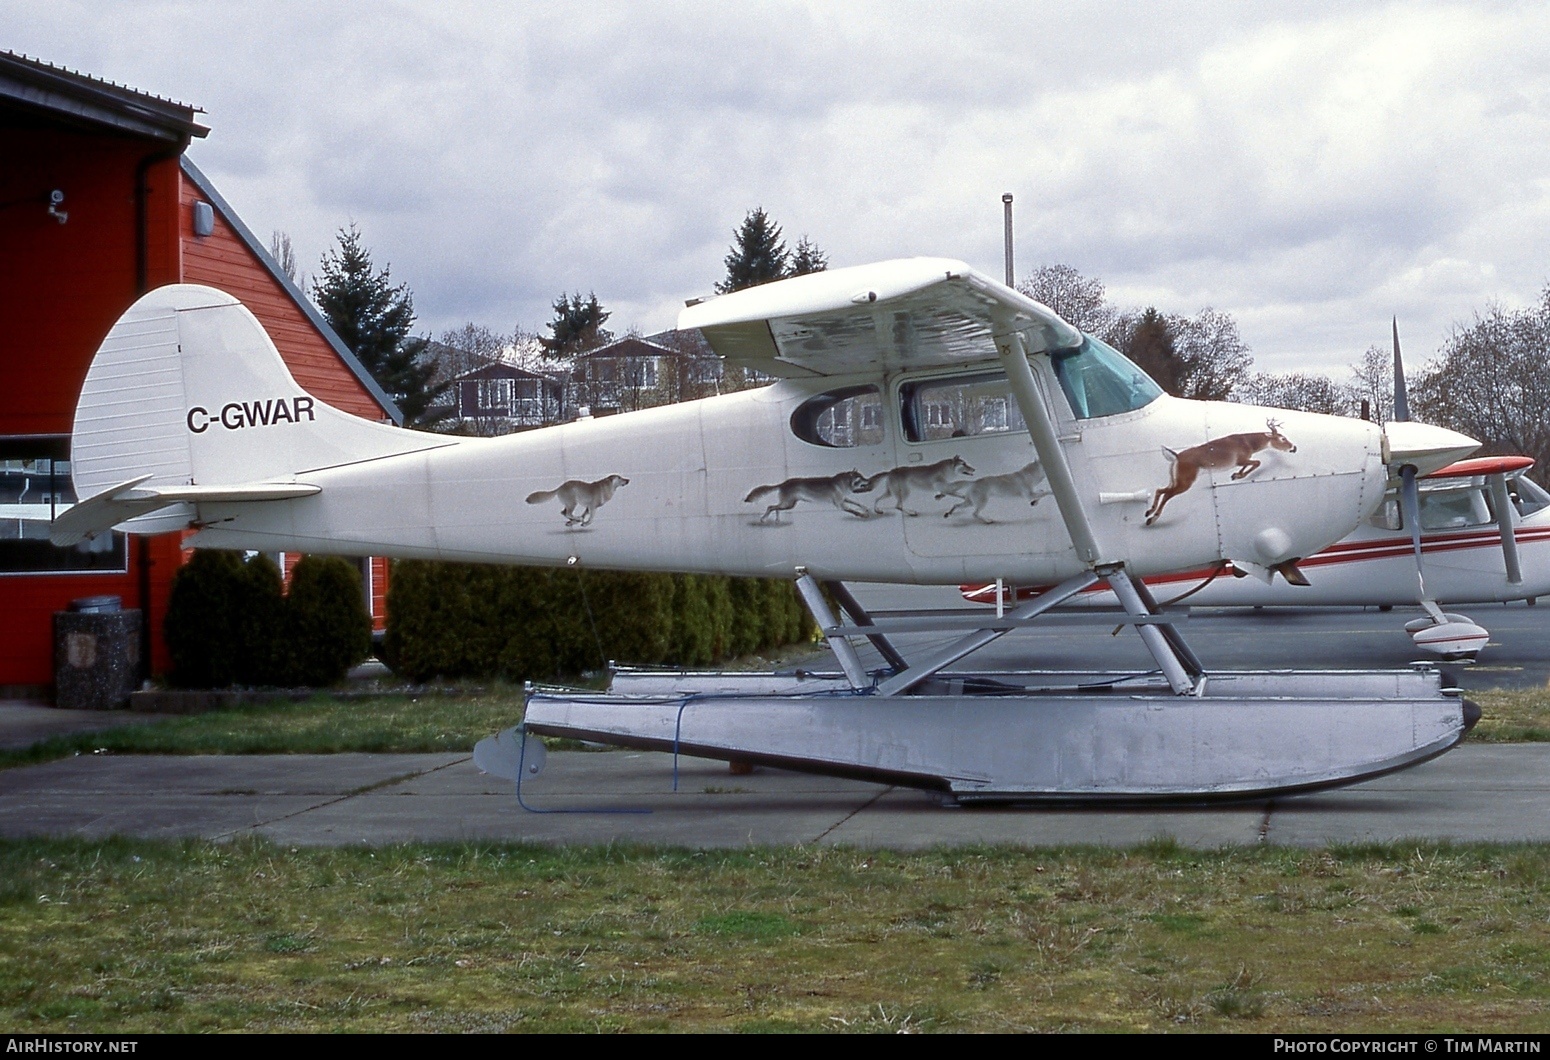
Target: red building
97,206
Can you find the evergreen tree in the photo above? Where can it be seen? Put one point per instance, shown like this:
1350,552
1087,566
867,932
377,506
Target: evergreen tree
1149,344
807,258
577,326
374,318
758,254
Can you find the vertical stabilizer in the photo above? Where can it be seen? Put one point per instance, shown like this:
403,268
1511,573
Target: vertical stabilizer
188,390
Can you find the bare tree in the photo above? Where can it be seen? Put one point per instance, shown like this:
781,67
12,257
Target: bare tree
1213,358
1372,381
1490,381
1080,300
1294,390
285,256
466,348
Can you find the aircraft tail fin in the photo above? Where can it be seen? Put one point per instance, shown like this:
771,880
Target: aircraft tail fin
188,401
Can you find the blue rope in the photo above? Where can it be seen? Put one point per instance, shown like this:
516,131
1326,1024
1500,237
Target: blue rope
522,770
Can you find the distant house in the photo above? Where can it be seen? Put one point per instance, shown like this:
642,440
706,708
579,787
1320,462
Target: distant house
498,398
640,373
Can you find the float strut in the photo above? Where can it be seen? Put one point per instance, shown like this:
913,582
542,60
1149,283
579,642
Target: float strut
1175,665
902,682
858,614
849,661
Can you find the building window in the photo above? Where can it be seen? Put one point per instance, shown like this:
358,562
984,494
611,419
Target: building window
495,394
34,488
642,372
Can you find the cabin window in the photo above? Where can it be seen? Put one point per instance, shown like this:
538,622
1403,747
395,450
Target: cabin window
1387,516
1441,509
35,487
1527,496
1453,509
1098,380
841,419
959,407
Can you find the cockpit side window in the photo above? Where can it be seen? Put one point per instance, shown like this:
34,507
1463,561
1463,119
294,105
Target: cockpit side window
1098,380
1527,496
841,419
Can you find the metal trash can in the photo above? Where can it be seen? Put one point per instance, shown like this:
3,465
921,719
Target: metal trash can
96,654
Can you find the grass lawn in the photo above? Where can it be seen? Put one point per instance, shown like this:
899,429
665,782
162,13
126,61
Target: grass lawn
321,725
1512,716
132,936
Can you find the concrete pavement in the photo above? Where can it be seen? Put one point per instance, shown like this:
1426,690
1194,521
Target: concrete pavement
24,722
1491,793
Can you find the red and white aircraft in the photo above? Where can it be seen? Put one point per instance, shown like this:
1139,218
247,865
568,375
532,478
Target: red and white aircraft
1470,555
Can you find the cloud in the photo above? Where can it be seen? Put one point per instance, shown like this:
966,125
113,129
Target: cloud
1311,170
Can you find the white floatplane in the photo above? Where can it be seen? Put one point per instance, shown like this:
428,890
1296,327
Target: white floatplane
914,396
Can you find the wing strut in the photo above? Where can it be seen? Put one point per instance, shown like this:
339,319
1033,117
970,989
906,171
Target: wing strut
1178,663
1506,516
1025,389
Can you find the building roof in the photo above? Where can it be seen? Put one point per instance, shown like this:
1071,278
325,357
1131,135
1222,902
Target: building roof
502,370
33,87
629,347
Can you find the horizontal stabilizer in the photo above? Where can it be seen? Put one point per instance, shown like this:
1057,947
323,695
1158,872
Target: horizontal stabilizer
131,499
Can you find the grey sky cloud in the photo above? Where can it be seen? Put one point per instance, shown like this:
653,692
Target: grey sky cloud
1311,168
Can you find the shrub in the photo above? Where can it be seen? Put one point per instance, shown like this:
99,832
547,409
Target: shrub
328,629
526,623
259,623
694,633
201,622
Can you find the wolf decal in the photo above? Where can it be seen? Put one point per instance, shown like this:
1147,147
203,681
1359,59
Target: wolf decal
899,482
579,501
976,493
832,489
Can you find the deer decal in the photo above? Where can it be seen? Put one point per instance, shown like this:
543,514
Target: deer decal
1233,450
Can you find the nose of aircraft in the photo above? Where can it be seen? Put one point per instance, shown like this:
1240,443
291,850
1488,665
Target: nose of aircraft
1423,446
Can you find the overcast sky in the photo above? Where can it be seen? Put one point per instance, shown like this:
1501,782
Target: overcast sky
1311,168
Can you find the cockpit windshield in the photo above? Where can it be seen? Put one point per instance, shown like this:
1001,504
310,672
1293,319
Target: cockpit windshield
1100,381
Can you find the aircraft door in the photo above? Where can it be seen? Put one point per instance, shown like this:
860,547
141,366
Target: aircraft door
966,483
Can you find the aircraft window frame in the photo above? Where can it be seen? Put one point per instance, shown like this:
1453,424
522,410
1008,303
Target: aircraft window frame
1451,508
1112,394
808,419
923,420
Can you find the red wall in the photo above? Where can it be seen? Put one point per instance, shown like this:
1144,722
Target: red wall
222,260
61,289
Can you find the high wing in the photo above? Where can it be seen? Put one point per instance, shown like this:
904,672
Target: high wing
906,313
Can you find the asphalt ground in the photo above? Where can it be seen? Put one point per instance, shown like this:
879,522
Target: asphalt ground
1493,793
1479,792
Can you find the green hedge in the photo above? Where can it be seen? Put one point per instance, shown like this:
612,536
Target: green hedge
229,621
532,623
